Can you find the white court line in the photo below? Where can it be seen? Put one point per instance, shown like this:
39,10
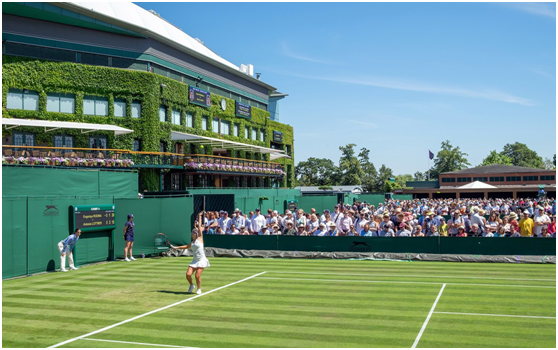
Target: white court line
407,282
151,312
131,342
417,276
428,317
465,313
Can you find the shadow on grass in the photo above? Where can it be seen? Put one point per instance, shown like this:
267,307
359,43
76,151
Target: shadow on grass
173,292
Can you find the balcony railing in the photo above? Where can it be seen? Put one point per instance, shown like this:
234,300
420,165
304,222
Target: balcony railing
207,163
100,157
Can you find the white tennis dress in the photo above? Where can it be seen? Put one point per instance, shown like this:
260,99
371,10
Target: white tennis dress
199,256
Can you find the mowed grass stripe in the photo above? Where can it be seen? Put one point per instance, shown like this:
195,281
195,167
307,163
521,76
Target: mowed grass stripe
447,330
284,313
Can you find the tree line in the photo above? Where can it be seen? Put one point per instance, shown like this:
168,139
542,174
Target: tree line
357,169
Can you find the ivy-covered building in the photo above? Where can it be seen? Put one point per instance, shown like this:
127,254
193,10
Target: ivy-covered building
181,114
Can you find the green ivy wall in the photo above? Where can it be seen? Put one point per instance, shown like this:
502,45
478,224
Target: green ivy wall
114,83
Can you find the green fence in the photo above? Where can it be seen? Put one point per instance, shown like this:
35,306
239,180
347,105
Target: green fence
373,199
247,199
424,245
31,181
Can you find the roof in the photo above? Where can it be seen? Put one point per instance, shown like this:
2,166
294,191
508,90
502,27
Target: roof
54,125
210,141
129,16
497,169
346,188
476,184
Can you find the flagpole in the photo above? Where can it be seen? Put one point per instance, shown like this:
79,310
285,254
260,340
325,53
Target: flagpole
429,168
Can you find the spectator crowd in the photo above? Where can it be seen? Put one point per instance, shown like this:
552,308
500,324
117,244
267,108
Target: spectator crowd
399,218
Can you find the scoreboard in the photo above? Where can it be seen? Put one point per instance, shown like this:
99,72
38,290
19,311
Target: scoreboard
98,217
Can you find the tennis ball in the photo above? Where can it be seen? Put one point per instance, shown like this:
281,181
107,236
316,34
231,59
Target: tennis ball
201,146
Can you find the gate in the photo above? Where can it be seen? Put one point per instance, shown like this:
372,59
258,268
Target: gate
213,202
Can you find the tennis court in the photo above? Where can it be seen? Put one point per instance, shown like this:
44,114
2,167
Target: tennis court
284,303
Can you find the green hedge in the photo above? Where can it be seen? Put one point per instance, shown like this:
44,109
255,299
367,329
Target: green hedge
79,79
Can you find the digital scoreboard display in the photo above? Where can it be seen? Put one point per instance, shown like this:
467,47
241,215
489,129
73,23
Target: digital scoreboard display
243,110
200,97
94,217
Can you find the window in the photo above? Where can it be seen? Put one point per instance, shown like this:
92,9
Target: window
288,150
235,130
63,141
215,125
496,178
513,178
98,142
136,109
547,177
162,146
137,145
175,117
225,128
204,122
64,103
189,120
448,179
530,178
162,114
254,134
463,179
480,179
23,139
95,105
262,135
119,107
246,132
23,99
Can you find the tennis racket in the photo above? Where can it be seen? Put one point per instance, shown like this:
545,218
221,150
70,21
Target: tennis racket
161,240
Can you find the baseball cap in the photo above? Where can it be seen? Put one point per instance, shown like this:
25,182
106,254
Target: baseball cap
301,225
288,211
224,212
257,209
526,212
237,210
130,216
326,211
321,225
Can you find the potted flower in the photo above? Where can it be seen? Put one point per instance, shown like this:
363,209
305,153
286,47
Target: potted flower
101,162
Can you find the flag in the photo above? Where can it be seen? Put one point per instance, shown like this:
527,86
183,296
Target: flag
430,155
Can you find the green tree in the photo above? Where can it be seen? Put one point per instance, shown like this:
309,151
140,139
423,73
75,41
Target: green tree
369,178
549,164
401,180
316,172
521,155
449,158
418,176
383,177
349,166
496,158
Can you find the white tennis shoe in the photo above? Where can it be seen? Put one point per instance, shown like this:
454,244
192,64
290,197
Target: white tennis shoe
199,291
191,289
132,258
63,270
127,259
73,268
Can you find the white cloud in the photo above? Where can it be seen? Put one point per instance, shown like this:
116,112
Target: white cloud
400,84
535,8
289,53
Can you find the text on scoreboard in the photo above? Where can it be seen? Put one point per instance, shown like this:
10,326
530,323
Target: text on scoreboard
94,217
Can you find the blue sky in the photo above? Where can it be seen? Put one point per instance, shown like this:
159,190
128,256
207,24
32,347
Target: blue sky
396,78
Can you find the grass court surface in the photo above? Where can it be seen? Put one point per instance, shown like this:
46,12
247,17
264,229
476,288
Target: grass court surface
295,303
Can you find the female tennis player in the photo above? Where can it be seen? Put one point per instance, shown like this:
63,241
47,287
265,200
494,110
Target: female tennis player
200,262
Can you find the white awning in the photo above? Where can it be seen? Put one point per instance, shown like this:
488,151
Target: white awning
477,185
274,156
210,141
55,125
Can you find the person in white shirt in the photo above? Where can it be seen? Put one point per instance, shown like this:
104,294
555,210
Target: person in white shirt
321,231
300,218
225,222
287,217
336,216
264,231
323,216
258,221
312,224
238,219
275,229
541,220
271,220
232,230
361,221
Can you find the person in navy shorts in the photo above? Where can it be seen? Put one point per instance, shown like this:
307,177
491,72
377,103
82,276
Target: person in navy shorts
129,237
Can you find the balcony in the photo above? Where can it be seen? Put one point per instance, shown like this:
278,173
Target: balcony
199,163
119,158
